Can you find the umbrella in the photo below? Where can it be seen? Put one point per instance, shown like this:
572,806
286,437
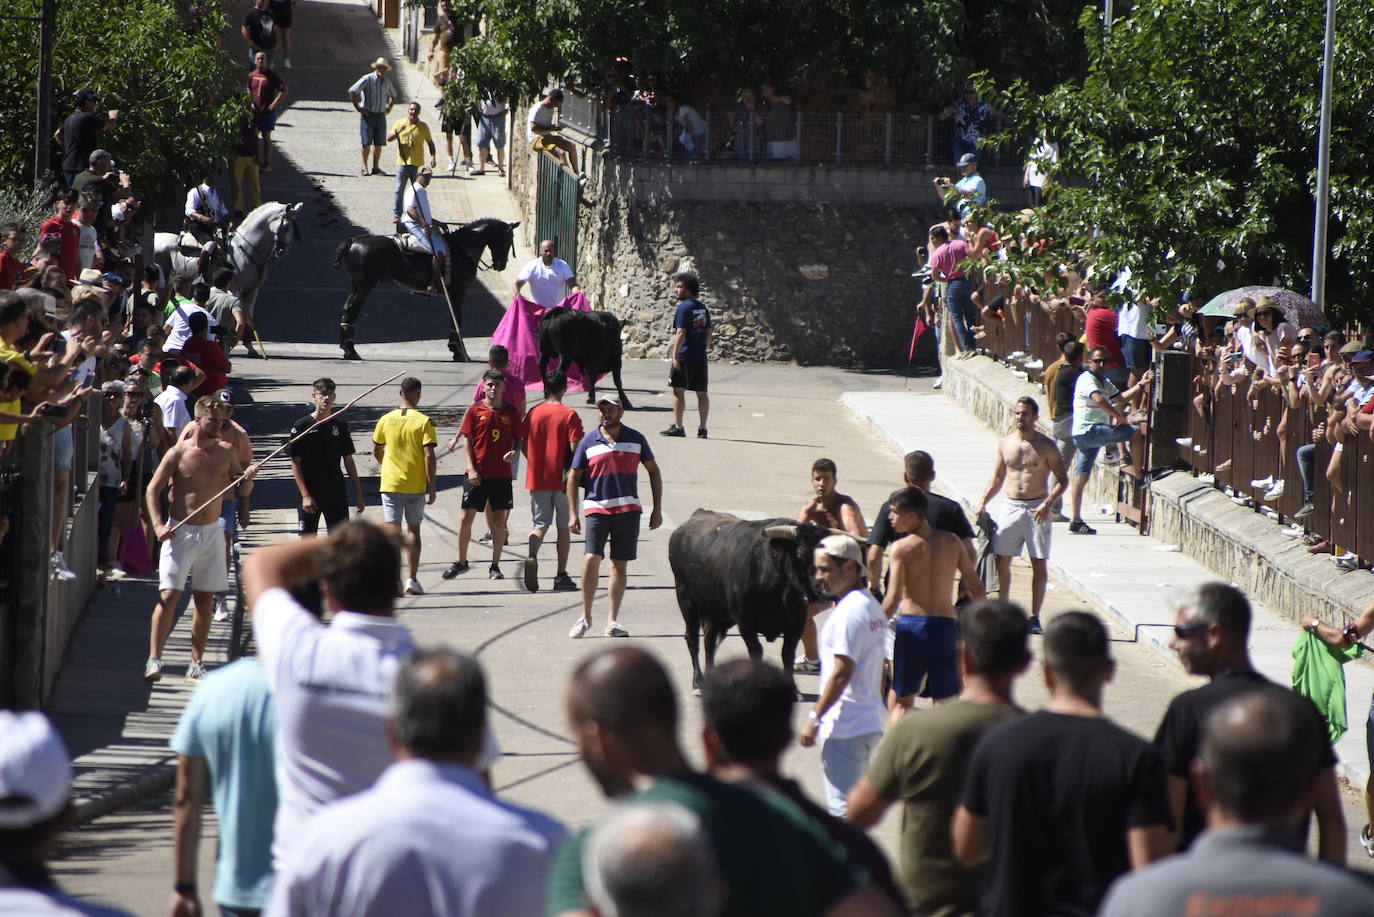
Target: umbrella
1297,308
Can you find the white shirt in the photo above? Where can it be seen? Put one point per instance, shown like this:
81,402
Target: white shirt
1134,320
210,198
689,120
331,686
84,373
418,197
173,404
1036,173
1085,410
180,322
540,115
374,92
491,107
88,243
856,628
548,283
427,839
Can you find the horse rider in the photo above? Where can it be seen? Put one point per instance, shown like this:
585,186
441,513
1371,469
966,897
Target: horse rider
419,222
206,219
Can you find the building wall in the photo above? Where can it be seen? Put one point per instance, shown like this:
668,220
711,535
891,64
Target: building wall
810,264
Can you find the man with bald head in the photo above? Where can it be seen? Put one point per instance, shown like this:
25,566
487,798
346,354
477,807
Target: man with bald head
1257,776
623,714
549,277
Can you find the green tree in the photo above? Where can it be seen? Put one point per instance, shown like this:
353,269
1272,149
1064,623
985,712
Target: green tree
1189,149
179,95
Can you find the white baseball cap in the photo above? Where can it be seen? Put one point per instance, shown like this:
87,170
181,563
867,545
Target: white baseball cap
843,547
34,766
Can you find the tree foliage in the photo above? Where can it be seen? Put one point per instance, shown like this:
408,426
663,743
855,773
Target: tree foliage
919,50
179,95
1189,149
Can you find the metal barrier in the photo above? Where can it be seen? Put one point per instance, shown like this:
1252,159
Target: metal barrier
639,131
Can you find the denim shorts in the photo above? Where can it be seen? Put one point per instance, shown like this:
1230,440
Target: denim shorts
407,508
62,449
372,129
491,131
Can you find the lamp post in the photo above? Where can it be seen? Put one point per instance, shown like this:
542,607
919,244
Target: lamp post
1323,162
1107,13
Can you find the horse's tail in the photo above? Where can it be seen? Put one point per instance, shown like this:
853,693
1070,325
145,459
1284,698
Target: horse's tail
343,250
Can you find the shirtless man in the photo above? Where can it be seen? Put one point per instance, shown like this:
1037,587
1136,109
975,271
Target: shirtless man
197,468
921,569
234,511
835,510
1024,517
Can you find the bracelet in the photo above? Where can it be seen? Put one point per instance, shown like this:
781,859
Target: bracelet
185,889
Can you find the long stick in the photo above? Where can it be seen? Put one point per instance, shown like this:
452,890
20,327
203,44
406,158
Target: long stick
282,448
259,340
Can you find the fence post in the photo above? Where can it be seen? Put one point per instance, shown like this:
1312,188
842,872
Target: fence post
839,136
930,140
796,138
887,138
33,536
706,153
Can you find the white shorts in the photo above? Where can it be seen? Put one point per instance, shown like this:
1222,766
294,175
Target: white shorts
195,552
549,508
1016,526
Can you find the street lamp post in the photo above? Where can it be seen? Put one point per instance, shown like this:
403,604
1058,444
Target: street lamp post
1323,162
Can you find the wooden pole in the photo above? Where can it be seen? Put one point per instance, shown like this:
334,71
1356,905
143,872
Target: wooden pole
282,448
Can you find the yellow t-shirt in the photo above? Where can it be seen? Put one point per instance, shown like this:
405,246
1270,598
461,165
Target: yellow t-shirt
412,140
9,355
405,433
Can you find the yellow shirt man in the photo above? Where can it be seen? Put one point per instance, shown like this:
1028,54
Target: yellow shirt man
9,355
405,434
412,139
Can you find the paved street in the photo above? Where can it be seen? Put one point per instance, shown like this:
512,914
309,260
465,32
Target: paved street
768,423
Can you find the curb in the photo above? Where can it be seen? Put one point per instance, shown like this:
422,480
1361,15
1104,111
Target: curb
154,778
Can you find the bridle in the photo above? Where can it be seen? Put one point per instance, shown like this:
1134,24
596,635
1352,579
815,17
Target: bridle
277,240
483,246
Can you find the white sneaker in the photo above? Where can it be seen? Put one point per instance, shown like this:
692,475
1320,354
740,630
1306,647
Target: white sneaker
615,630
1035,364
939,383
60,569
1184,441
195,672
452,165
1206,479
221,609
1274,492
413,587
579,628
1263,483
152,672
286,62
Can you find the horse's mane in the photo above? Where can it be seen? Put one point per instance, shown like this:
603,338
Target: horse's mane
261,215
483,223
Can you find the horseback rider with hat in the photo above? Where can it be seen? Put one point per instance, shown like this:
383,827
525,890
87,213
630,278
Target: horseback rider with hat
419,222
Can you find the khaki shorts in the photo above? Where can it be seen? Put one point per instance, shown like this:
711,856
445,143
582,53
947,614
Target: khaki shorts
195,552
543,144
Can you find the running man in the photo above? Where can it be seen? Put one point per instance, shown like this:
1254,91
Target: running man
1024,515
921,571
197,469
835,510
553,431
492,434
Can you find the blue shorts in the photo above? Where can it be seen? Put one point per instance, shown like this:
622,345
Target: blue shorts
372,129
62,448
266,121
491,131
229,518
924,662
1137,352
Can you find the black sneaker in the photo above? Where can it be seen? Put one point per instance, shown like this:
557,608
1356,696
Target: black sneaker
1081,528
455,568
701,432
673,430
564,583
531,574
1035,628
494,572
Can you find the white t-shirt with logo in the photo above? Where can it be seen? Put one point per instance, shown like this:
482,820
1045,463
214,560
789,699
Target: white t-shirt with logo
856,628
1085,410
548,283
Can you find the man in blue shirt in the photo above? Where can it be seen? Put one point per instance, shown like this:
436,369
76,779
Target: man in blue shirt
973,190
692,335
226,743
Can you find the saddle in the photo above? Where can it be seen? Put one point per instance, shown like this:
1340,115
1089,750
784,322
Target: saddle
408,244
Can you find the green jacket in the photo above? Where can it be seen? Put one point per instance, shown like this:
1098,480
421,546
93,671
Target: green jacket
1317,674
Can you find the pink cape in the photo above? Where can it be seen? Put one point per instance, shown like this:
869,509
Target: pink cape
519,334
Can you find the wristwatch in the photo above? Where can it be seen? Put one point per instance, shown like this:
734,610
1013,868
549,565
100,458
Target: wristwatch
1312,626
185,889
813,718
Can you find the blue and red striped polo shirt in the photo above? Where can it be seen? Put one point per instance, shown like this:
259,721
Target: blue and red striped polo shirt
610,470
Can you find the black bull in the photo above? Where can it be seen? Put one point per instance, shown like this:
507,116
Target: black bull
757,576
589,339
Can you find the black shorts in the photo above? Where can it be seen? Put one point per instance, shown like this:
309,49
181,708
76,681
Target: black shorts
496,491
334,512
459,123
281,12
691,376
621,529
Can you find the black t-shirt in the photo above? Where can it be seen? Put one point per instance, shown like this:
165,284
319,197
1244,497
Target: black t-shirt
1179,737
320,453
1060,793
943,514
79,133
262,28
1063,389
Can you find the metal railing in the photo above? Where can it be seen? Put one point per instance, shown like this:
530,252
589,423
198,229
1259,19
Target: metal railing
641,132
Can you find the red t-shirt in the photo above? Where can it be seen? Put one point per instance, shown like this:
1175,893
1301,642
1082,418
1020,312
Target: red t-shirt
554,432
209,356
263,87
1100,327
70,256
946,257
492,433
10,268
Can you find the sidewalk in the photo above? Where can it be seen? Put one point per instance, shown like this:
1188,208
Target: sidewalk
1135,578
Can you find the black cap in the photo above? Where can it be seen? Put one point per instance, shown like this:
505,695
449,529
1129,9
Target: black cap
86,95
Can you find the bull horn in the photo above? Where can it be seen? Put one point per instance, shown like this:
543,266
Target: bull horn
841,532
780,531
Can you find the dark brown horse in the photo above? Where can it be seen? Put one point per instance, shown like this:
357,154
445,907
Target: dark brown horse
373,258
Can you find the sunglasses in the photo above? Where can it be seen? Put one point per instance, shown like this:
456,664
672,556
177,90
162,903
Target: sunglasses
1303,338
1183,633
1097,361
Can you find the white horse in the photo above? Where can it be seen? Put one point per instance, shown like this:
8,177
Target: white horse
266,233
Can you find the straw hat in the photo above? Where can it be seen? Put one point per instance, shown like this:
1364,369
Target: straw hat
381,62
